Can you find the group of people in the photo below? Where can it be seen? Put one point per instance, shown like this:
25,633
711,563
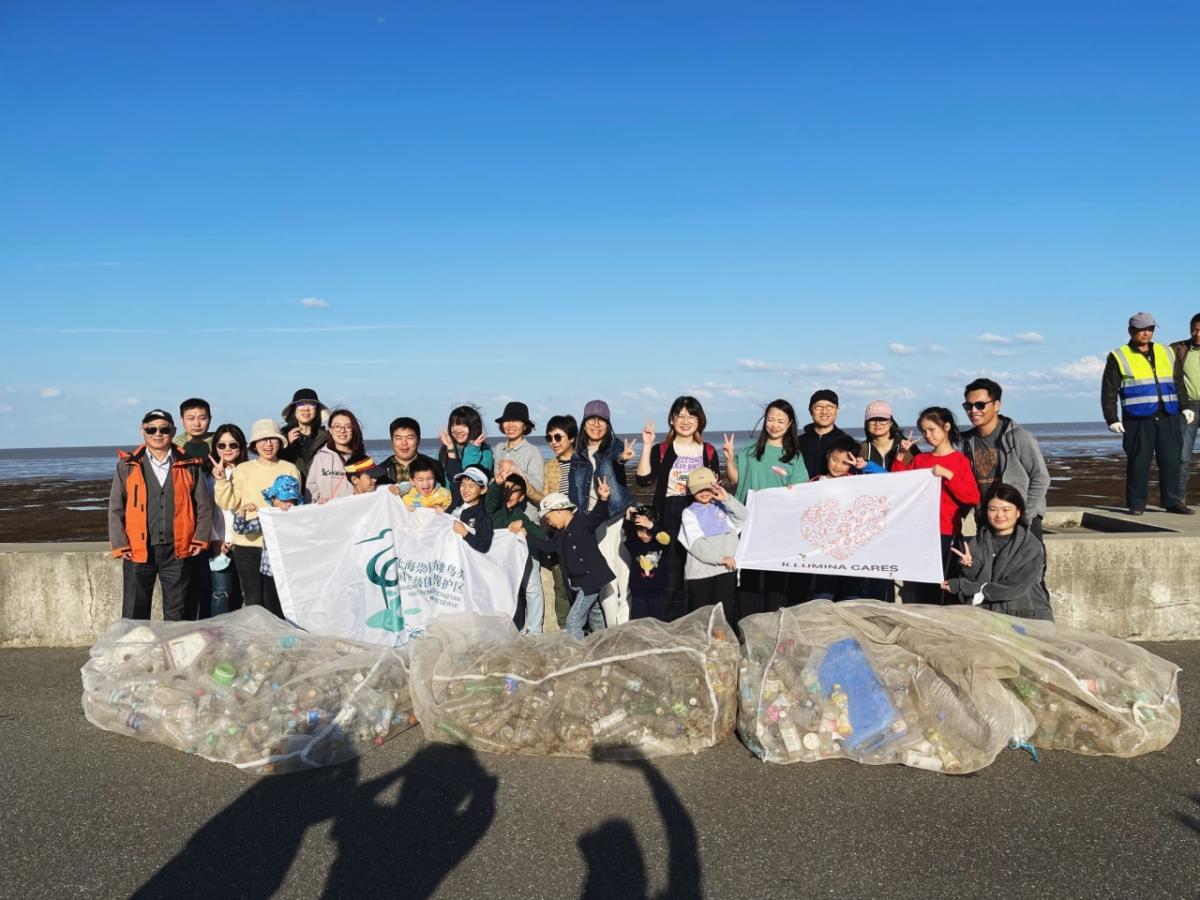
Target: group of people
184,505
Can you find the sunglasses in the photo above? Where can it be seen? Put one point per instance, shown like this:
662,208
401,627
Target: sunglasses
980,405
230,445
160,429
555,438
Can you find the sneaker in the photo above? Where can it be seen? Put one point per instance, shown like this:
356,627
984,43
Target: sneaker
1135,512
1181,509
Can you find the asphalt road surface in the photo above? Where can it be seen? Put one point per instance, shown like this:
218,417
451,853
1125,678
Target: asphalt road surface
88,813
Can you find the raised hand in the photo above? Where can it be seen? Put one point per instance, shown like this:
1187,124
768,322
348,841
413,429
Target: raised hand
630,446
964,555
447,441
859,463
719,493
648,433
908,442
728,448
603,491
478,442
293,435
218,467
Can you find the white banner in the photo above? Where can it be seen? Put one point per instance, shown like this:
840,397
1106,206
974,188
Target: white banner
368,568
873,526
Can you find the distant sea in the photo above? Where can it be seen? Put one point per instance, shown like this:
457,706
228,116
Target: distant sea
1058,440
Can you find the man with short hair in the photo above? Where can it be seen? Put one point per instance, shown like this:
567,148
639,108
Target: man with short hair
159,517
1002,452
1187,386
406,438
1141,374
196,439
821,432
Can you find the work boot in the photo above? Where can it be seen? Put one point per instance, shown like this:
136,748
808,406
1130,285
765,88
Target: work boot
1181,509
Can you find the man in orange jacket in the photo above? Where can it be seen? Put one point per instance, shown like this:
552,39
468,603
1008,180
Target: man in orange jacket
159,515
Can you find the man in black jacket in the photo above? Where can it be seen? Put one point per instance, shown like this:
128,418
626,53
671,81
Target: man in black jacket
819,434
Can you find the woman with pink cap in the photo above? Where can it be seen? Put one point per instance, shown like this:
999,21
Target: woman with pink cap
883,435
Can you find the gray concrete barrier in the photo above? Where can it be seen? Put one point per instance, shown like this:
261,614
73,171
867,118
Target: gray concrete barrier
1141,584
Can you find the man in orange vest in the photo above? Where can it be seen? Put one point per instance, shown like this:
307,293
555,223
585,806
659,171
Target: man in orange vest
159,515
1141,375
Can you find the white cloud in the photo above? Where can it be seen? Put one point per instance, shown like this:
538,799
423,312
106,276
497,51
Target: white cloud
49,392
1086,368
937,349
1030,337
901,349
758,365
132,401
315,303
1003,351
5,408
988,338
834,368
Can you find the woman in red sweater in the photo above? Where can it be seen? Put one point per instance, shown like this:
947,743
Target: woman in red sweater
960,493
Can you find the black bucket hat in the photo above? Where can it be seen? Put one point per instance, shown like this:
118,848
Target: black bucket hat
305,395
516,412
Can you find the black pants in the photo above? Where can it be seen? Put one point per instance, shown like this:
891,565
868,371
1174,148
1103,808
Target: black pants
138,588
198,602
646,607
852,587
710,591
675,602
762,591
257,589
933,593
1146,438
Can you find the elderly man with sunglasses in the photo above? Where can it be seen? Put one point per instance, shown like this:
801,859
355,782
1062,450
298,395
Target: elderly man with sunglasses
159,516
1002,452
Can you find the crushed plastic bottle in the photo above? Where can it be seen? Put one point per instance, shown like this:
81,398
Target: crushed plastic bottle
246,688
643,688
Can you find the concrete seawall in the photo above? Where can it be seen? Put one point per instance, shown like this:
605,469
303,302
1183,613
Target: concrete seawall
1138,585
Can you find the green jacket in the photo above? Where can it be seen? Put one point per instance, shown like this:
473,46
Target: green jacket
502,516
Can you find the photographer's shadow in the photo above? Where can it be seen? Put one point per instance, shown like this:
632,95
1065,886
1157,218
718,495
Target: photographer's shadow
616,867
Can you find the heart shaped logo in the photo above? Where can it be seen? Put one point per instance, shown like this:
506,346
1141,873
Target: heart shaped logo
841,533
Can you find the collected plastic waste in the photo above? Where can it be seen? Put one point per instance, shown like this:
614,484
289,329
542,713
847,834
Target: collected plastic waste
943,688
643,688
246,688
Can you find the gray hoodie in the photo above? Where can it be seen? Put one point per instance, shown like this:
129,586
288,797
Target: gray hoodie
1011,580
709,532
1020,464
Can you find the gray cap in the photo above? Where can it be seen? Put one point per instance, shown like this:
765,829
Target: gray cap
1142,320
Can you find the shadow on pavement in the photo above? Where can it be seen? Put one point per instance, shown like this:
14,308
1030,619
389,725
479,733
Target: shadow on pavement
446,804
1191,821
616,868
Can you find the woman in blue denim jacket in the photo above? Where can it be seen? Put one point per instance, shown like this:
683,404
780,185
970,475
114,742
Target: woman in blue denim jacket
599,454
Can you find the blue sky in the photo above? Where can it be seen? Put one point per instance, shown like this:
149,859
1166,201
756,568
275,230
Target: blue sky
411,205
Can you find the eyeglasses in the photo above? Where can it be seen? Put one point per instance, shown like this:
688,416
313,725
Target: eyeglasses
157,429
980,405
878,421
823,407
555,438
341,427
228,445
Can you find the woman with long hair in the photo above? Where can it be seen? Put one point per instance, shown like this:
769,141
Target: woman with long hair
229,451
327,474
463,445
773,460
960,492
882,445
667,466
600,456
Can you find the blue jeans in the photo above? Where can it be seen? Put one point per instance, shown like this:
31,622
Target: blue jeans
223,584
584,611
535,600
1189,442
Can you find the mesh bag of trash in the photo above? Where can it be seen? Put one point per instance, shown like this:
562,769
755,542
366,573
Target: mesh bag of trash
943,688
246,688
643,688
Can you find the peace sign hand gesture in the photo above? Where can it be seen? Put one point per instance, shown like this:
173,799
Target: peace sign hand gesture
603,491
648,432
728,448
630,446
218,467
964,555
